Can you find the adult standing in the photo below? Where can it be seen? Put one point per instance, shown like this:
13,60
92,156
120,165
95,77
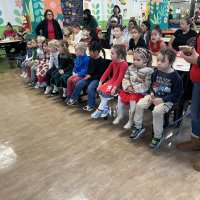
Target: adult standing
49,27
116,13
194,143
89,21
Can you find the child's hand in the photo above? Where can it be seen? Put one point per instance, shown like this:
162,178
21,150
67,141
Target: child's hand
157,101
61,71
130,52
113,91
130,89
87,77
74,74
151,98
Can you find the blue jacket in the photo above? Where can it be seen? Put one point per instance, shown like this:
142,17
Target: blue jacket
81,65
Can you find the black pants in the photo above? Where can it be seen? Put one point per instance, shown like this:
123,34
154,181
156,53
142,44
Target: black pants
49,75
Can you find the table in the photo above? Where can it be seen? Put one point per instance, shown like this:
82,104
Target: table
8,41
180,64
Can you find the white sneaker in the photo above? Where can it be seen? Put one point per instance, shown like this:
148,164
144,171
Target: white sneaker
43,84
37,86
64,95
25,75
117,120
128,125
22,74
48,89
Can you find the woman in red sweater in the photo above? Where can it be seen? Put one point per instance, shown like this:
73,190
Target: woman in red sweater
108,89
194,143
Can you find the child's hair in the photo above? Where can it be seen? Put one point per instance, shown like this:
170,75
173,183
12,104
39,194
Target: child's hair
65,45
76,25
9,24
120,50
96,46
171,55
87,28
53,43
82,46
69,29
34,39
120,27
147,24
40,38
157,28
134,22
138,28
190,22
45,42
29,40
146,54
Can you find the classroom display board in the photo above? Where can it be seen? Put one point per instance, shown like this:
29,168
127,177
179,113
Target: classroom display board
72,11
159,11
103,9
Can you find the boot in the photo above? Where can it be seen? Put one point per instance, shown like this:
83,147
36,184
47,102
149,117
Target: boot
119,116
129,124
192,145
196,165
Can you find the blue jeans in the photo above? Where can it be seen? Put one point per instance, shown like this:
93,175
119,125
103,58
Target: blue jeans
195,109
91,89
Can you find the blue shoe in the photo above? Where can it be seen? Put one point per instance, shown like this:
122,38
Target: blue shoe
105,112
155,142
137,132
96,114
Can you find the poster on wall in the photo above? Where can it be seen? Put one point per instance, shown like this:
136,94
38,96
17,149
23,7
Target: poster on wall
72,11
103,9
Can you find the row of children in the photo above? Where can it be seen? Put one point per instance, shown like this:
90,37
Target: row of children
137,85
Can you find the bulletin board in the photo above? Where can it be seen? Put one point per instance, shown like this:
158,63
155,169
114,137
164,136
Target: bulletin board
72,11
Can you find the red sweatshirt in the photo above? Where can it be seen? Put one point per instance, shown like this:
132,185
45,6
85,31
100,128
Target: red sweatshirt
195,70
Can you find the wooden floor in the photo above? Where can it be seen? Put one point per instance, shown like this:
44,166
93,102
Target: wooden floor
51,152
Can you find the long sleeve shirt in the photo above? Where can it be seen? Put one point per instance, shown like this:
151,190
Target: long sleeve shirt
167,86
53,60
81,65
65,63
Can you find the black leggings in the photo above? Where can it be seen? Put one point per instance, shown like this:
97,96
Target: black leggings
49,75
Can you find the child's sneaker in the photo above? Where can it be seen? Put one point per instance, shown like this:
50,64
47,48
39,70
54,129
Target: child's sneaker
105,112
48,89
54,93
96,114
117,120
22,74
137,132
37,86
71,102
64,95
43,84
155,142
88,108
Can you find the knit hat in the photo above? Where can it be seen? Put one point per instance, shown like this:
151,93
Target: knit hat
114,19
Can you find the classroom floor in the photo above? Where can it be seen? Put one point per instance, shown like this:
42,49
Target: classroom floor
51,152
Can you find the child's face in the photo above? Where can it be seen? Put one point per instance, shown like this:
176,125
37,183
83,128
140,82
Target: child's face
86,33
114,55
130,25
113,24
60,48
45,47
78,52
138,60
144,28
39,43
163,62
155,36
135,34
93,54
117,32
9,28
75,30
100,35
29,45
34,43
52,49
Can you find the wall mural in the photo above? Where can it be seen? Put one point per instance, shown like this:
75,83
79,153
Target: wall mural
33,8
